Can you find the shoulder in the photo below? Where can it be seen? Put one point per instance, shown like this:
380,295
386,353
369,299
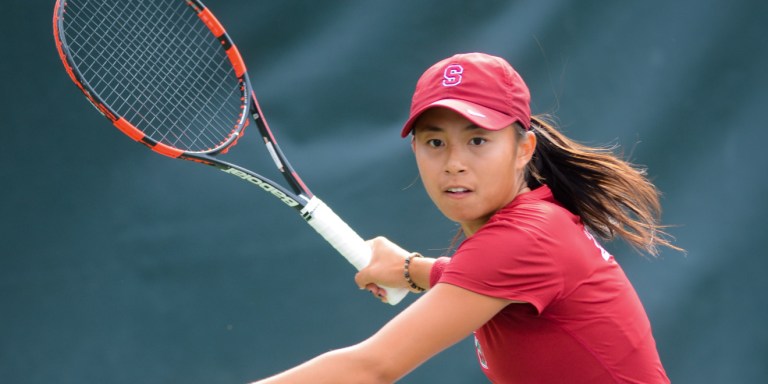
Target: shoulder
533,216
534,229
515,256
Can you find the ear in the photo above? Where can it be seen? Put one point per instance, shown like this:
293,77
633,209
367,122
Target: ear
413,143
525,149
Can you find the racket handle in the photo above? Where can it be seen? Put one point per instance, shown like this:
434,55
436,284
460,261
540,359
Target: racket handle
345,240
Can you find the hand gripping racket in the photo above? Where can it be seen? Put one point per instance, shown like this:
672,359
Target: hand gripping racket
166,74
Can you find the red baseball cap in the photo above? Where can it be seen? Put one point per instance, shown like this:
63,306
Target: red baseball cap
483,88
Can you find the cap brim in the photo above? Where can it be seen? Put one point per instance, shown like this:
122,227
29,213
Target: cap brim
484,117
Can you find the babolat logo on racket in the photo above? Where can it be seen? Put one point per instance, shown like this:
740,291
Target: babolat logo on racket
265,186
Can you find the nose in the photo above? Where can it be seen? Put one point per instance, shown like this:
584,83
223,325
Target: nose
455,162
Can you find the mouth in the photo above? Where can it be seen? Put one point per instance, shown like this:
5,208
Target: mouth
457,191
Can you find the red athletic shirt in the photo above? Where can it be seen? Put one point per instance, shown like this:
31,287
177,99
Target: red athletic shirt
584,322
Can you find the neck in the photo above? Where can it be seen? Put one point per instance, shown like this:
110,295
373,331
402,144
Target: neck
469,229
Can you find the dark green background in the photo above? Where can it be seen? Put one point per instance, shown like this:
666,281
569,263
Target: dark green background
120,266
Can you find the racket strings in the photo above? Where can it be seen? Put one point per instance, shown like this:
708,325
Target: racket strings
158,66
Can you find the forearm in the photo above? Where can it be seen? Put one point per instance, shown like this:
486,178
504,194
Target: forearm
420,269
431,324
345,365
425,271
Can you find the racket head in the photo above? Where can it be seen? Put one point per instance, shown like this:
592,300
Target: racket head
164,72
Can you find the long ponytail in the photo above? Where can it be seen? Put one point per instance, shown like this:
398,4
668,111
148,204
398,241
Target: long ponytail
612,197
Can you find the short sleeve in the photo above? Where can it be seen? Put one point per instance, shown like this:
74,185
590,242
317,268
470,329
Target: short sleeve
437,270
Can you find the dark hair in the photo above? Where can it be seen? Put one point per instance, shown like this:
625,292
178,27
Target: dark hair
613,197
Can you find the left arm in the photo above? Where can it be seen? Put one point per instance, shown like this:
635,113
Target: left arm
439,319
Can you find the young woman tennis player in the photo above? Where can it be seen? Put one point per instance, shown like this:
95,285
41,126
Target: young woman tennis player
546,303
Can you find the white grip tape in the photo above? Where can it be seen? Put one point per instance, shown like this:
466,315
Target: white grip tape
345,240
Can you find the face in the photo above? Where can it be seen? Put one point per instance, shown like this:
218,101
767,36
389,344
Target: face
467,171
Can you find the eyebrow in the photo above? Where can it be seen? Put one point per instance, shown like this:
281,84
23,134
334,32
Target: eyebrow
434,128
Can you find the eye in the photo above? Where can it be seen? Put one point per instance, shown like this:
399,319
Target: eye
477,141
435,143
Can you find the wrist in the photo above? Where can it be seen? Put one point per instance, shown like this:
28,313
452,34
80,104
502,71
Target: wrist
419,269
408,273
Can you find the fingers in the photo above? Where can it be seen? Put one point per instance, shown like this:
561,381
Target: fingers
363,282
362,279
385,267
376,291
368,274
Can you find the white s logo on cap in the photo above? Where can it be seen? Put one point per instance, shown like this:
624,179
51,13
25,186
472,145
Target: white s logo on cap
452,75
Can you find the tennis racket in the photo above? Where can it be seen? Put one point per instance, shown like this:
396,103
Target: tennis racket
166,74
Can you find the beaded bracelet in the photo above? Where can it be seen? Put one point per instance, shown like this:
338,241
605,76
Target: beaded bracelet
407,273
